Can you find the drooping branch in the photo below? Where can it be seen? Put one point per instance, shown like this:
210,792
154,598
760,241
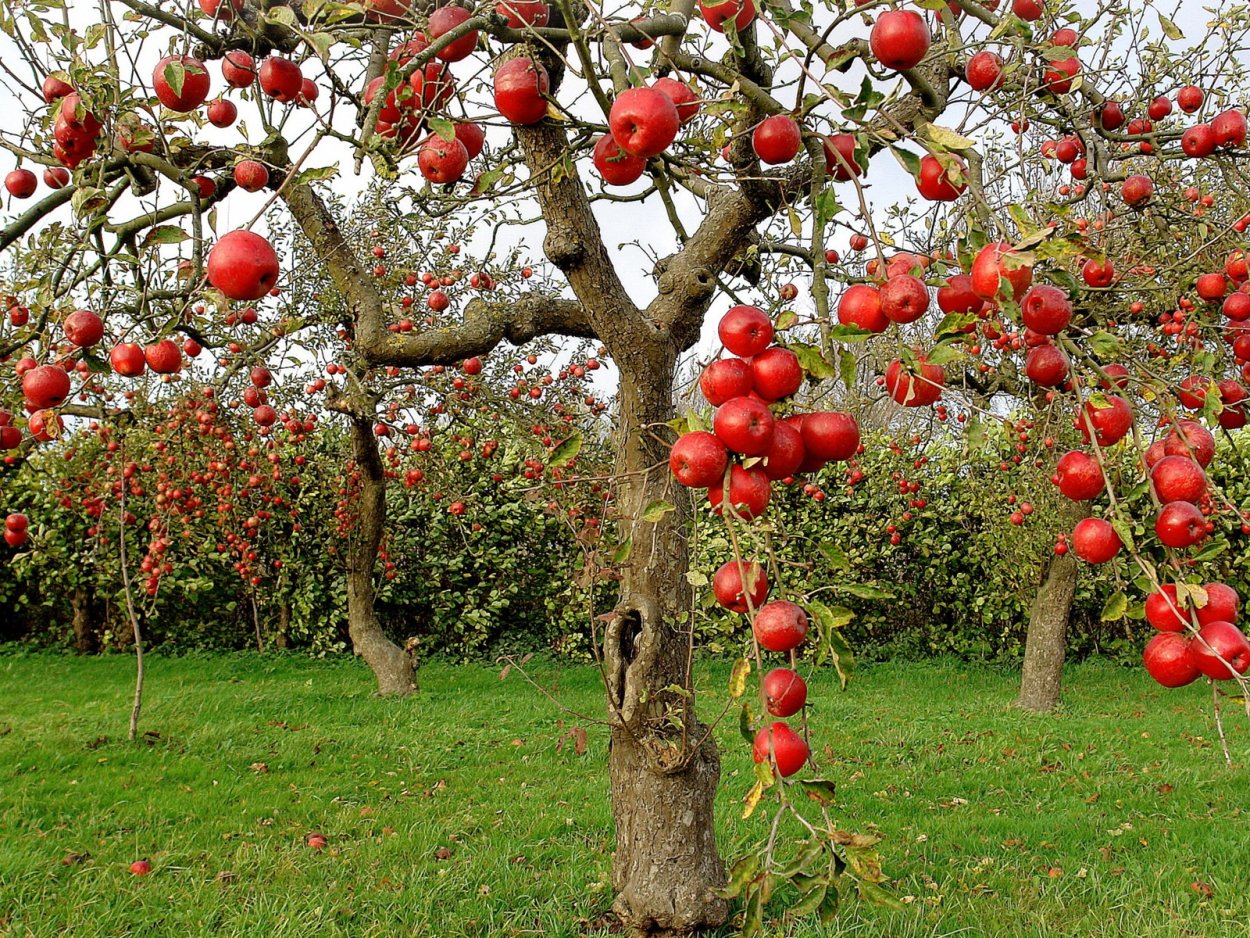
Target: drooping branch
31,217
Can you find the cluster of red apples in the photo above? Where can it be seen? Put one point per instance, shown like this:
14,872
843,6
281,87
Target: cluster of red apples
749,448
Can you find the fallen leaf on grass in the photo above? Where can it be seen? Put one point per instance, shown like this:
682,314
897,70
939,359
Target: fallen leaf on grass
1203,889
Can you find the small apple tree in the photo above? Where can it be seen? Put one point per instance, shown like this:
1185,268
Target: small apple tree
745,136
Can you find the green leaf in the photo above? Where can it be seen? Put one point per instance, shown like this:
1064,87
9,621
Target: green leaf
835,555
623,550
1214,549
1114,608
1105,345
87,200
174,73
812,899
738,678
567,451
848,365
443,127
281,15
829,908
1170,29
819,789
753,918
945,138
812,361
745,719
784,321
764,774
315,174
845,333
1124,528
945,354
164,234
656,510
321,43
910,161
878,896
864,591
741,873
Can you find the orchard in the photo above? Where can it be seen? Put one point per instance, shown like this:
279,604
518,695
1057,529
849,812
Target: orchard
651,338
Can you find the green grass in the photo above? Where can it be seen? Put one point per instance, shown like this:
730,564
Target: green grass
1093,822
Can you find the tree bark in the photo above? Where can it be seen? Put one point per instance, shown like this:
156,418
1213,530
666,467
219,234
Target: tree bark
280,638
86,638
391,665
1041,678
663,773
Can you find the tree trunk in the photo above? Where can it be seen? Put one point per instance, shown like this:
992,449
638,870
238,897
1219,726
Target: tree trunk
663,774
86,640
280,639
1041,677
392,666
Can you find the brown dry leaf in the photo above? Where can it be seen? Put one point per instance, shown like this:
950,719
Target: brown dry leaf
260,767
225,876
1092,799
1203,889
1054,872
74,859
1165,789
442,853
579,740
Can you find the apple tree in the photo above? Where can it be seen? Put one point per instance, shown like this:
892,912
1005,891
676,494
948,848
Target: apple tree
722,148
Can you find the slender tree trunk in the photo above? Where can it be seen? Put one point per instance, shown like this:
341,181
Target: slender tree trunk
280,638
392,666
663,775
83,620
1041,678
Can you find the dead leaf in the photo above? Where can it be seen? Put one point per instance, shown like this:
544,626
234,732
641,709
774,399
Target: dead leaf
74,859
442,853
1203,889
260,767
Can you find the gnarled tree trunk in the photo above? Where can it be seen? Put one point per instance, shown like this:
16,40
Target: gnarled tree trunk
1041,678
391,664
82,618
663,775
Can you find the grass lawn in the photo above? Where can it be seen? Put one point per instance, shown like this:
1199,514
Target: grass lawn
456,814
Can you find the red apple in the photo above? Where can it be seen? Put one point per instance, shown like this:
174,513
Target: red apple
238,69
1167,659
1222,605
829,436
251,175
222,112
1095,540
780,626
1079,476
739,12
1216,641
442,160
1190,98
519,88
682,96
899,39
777,139
776,373
21,183
181,82
789,750
243,265
984,71
727,584
643,121
786,692
1109,415
1165,611
1180,525
164,357
725,379
45,386
127,359
749,492
996,266
698,459
785,455
744,425
1190,438
444,20
1178,479
1046,309
860,306
1047,366
280,78
935,183
616,166
523,13
745,330
1137,189
904,298
83,328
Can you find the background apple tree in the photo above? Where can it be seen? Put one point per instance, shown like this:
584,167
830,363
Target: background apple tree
731,150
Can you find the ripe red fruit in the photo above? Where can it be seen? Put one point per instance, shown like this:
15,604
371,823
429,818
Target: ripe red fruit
682,96
1180,525
749,492
442,160
1216,641
1198,141
739,12
83,328
45,386
785,454
725,379
316,840
727,584
780,626
1046,309
1211,286
222,112
1190,438
54,88
1190,98
745,425
56,177
786,692
899,39
995,264
251,175
127,359
1222,604
1079,476
164,357
1237,307
616,166
444,20
934,182
904,298
840,164
745,330
1230,128
1028,10
860,306
776,373
643,121
1111,419
914,387
1098,275
181,82
1058,77
280,78
777,139
1167,659
1047,366
829,436
984,71
1159,108
141,868
698,459
1178,479
1095,540
243,265
789,750
238,69
957,296
1165,611
519,88
522,13
21,183
1137,190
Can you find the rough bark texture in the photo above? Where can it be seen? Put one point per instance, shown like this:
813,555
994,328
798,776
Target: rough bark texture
82,611
282,628
666,864
391,665
1041,679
